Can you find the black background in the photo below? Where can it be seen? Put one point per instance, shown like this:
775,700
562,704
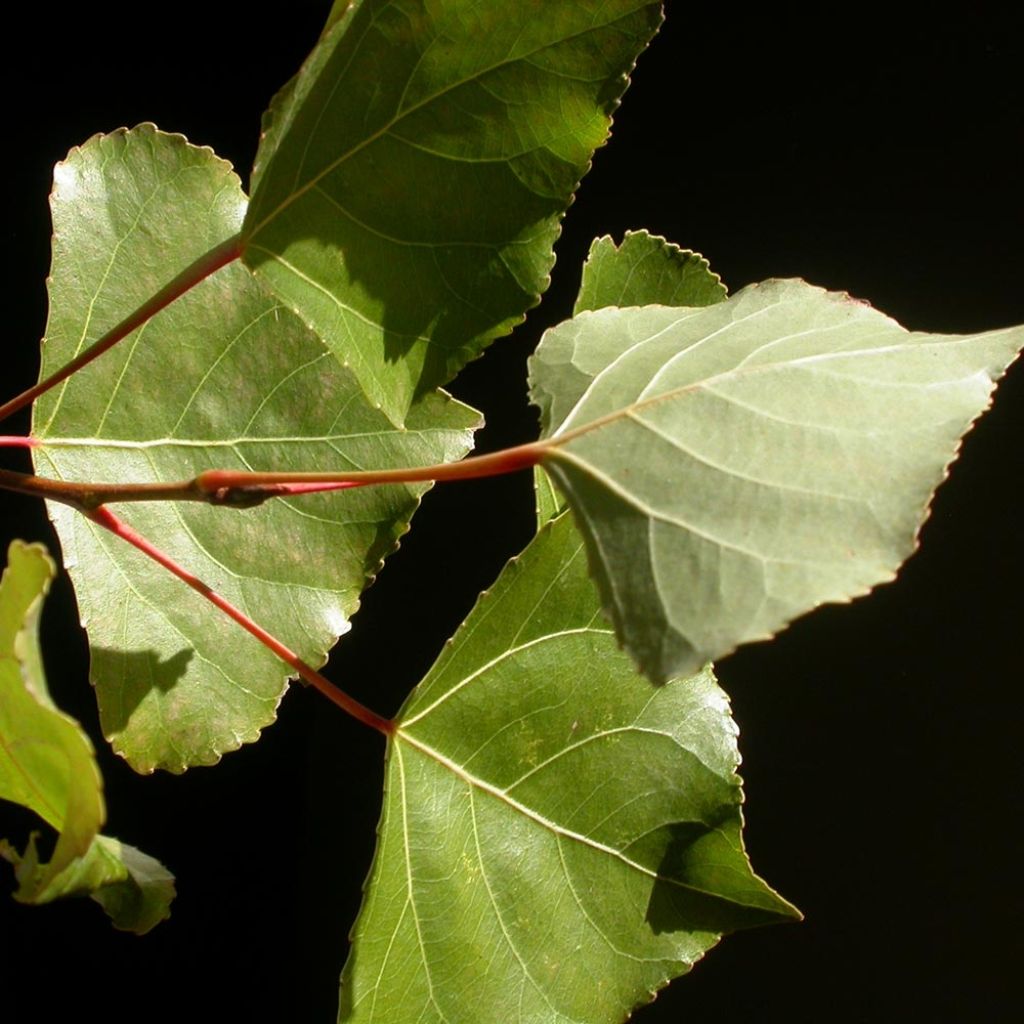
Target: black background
881,741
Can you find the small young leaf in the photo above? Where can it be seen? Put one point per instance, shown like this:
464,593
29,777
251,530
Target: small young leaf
412,178
133,888
224,378
559,837
645,270
735,466
47,765
137,889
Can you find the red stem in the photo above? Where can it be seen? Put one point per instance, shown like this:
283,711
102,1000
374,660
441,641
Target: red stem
16,441
207,264
508,460
244,490
105,518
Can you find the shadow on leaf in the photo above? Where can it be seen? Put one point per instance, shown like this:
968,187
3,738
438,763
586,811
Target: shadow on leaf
135,674
699,890
363,201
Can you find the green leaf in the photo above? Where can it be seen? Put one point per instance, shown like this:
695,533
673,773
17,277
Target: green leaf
412,178
735,466
223,378
46,761
646,270
47,765
133,888
556,844
548,501
137,890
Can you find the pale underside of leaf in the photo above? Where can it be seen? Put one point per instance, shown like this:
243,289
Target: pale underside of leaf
556,844
735,466
412,177
224,378
643,270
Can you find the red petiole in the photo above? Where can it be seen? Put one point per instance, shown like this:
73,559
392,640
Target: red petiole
105,518
244,490
209,263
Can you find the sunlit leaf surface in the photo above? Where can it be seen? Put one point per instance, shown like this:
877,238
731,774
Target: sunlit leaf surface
224,378
560,837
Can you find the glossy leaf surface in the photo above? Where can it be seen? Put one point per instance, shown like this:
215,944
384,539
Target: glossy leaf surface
556,844
411,180
733,467
224,378
47,765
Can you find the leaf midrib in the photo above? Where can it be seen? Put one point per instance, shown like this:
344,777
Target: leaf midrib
230,442
559,830
740,371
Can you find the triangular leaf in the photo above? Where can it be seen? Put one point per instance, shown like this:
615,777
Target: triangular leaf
223,378
557,843
412,178
735,466
47,765
646,270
